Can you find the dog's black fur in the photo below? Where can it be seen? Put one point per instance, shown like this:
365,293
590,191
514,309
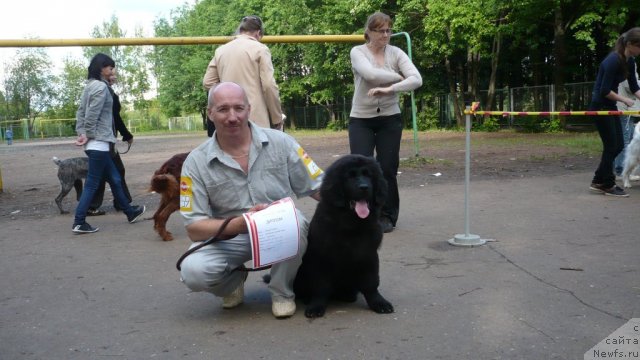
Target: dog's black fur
71,172
342,254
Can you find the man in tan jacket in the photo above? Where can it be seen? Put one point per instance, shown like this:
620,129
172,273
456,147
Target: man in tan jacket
247,62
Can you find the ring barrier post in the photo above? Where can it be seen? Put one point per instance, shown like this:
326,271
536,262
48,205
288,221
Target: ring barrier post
467,239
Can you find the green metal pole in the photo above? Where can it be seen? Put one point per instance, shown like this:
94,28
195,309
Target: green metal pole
413,99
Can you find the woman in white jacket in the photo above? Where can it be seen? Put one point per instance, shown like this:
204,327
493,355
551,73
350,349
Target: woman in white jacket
380,72
628,122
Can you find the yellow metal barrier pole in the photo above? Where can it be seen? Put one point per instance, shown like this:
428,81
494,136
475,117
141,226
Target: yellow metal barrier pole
548,113
206,40
200,40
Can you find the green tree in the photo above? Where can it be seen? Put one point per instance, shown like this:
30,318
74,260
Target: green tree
4,107
460,47
132,63
458,32
70,84
180,69
30,84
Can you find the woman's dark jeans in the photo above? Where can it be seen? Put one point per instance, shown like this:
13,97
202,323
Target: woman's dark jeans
382,134
610,130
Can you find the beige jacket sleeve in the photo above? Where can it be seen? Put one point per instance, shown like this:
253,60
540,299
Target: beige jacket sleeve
211,76
270,89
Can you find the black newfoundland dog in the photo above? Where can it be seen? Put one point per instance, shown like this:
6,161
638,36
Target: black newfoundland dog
344,237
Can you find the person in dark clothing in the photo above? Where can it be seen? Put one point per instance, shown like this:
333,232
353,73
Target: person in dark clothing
211,127
618,66
119,127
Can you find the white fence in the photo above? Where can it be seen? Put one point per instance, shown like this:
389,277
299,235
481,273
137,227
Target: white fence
49,128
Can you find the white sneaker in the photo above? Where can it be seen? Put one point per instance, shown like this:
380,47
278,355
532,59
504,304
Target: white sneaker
236,297
283,308
631,177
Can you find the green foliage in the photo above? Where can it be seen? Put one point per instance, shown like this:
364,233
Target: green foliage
529,124
486,123
583,27
551,124
453,45
427,118
338,124
132,65
29,84
70,85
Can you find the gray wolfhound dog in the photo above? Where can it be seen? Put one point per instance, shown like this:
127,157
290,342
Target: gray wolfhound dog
70,173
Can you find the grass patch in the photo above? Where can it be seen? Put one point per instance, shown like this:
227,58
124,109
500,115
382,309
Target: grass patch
420,161
574,143
589,144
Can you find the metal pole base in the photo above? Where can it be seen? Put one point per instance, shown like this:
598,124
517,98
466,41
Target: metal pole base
466,240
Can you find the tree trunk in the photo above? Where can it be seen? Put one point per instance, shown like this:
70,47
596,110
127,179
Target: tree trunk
330,109
452,90
560,54
30,123
292,115
203,113
473,61
495,54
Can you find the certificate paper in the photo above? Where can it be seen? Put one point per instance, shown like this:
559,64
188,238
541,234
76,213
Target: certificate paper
274,233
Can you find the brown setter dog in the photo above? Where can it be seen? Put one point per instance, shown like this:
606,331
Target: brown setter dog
166,182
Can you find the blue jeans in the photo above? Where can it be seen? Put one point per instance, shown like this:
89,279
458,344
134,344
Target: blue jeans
627,135
382,134
100,164
97,199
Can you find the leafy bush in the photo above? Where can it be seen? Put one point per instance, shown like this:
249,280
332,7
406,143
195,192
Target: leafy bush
339,123
427,118
530,124
487,124
551,125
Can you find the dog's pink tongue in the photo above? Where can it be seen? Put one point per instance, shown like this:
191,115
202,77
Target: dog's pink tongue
362,209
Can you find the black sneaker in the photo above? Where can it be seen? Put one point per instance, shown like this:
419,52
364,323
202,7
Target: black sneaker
84,228
597,188
137,212
615,191
386,225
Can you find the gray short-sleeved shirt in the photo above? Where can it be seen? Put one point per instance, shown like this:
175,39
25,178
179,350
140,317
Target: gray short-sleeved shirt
214,186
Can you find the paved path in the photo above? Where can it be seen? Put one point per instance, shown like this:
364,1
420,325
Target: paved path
561,274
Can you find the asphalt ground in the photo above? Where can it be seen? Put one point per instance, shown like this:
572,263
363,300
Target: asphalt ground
559,273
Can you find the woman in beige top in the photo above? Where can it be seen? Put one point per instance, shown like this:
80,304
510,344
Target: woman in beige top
247,62
380,72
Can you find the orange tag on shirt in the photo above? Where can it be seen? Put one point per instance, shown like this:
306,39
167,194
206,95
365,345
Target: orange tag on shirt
313,169
186,194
